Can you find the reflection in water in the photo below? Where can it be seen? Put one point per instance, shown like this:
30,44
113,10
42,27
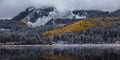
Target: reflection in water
52,56
86,52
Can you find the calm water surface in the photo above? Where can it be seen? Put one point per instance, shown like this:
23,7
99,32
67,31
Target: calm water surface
60,52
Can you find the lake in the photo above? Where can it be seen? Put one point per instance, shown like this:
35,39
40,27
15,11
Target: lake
60,52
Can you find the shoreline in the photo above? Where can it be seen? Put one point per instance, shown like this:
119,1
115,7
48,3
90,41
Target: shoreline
68,45
62,46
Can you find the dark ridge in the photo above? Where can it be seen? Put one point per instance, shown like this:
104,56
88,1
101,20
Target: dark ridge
33,13
62,21
91,13
23,14
115,13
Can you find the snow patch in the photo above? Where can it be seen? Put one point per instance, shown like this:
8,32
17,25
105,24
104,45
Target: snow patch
56,14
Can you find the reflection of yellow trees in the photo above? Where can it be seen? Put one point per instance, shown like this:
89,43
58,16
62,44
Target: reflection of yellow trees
79,26
51,56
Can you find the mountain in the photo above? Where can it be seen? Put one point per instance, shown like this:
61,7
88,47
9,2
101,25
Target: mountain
115,13
90,30
33,13
78,15
40,16
90,13
61,21
43,15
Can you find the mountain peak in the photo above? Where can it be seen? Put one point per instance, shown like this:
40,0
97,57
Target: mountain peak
33,13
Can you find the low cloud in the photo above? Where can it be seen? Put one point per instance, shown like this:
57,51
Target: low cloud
10,8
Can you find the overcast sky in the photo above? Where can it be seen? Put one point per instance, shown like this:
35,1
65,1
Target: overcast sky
10,8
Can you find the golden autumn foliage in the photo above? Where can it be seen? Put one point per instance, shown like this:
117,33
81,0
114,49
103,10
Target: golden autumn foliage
24,23
113,18
100,21
78,26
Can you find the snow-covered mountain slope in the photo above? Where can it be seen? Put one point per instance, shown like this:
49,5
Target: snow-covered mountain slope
40,16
